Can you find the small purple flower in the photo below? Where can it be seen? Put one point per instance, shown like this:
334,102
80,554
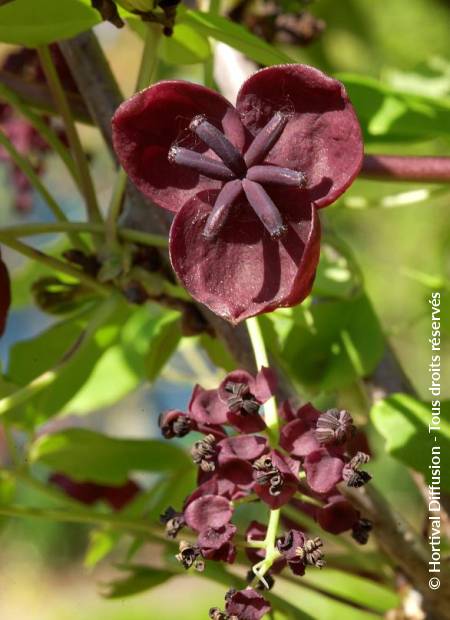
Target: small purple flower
276,478
216,543
244,182
299,551
337,515
245,605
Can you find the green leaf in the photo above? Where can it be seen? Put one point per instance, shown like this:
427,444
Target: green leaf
390,114
404,423
140,579
186,46
30,359
337,275
353,588
217,352
86,455
222,29
163,335
318,605
40,22
329,344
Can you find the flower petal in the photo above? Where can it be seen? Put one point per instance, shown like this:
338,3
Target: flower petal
323,471
246,447
322,137
297,440
247,605
153,120
338,515
208,511
206,407
245,272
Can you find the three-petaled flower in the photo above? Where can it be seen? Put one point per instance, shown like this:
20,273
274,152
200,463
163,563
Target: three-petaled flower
244,181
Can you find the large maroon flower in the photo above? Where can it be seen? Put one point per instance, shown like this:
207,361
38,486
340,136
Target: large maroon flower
244,182
5,295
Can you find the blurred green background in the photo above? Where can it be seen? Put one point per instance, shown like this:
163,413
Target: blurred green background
401,240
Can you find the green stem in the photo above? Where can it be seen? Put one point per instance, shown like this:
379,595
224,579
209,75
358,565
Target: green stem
262,360
22,395
76,147
54,263
146,70
272,553
11,444
115,521
35,181
42,228
41,127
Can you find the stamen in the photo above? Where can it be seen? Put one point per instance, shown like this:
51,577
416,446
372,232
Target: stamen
206,165
275,174
265,139
217,218
264,208
221,146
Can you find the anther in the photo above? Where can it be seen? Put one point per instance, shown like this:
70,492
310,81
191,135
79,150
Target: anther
190,555
277,176
264,208
217,218
334,426
361,531
265,139
311,552
219,143
353,476
173,520
266,473
211,168
241,398
204,453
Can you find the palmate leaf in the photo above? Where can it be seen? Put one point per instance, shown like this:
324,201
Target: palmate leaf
40,22
87,455
327,345
403,422
389,114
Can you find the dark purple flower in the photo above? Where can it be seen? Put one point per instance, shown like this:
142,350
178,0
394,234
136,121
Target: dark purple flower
5,295
243,395
216,543
90,492
299,551
246,604
243,447
323,471
338,515
244,181
276,478
175,423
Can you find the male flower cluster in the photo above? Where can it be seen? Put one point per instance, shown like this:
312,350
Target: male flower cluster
244,182
236,463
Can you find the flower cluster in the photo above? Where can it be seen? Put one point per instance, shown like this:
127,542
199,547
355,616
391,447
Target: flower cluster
21,70
237,463
244,182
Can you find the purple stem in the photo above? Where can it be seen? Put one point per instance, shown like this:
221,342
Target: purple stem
265,139
219,143
206,165
264,208
404,168
216,219
275,174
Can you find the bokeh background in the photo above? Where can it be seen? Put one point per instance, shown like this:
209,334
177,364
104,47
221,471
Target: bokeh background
399,235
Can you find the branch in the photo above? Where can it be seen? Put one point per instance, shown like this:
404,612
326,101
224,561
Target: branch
404,547
403,168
